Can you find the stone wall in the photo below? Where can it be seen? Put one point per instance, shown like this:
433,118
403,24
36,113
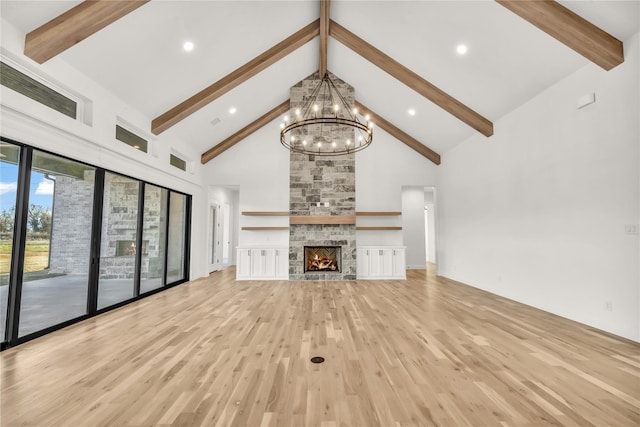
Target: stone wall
313,180
119,222
71,224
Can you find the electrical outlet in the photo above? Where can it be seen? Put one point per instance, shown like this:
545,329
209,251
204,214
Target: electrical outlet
631,229
608,305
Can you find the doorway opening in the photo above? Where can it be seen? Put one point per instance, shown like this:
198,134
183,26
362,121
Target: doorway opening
430,237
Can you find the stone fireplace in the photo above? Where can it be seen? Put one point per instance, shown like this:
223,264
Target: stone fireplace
322,188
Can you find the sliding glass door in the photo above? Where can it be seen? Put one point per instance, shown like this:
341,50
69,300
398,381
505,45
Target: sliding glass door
176,247
58,236
154,238
9,165
119,245
76,240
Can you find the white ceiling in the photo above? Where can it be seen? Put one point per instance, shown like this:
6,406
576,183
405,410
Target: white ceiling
140,57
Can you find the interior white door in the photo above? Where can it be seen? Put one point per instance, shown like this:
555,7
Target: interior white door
215,238
226,233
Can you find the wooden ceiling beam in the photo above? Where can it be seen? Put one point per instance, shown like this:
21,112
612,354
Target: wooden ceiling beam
399,134
235,78
244,132
411,79
325,5
588,40
75,25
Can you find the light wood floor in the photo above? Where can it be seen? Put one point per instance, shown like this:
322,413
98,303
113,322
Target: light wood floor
427,351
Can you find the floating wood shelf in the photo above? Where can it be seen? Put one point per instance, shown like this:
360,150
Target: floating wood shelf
286,213
378,228
323,219
378,213
263,228
255,213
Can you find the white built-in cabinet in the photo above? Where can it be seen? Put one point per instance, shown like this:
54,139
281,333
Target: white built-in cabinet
262,264
381,262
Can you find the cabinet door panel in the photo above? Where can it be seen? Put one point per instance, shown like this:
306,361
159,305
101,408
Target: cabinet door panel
282,264
386,263
257,263
269,262
375,262
399,267
362,263
244,263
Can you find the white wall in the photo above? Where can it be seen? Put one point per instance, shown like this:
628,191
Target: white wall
93,140
537,212
259,167
381,171
413,226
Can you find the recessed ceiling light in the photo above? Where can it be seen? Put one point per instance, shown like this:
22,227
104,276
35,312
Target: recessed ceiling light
232,110
188,46
461,49
411,112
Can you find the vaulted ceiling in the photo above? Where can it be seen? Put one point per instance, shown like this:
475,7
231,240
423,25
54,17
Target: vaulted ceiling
139,57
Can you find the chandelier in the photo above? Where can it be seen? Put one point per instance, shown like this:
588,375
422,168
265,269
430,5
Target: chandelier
325,125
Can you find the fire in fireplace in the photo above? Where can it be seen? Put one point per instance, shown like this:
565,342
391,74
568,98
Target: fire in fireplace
322,258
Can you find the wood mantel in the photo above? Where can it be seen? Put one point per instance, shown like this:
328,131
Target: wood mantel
323,219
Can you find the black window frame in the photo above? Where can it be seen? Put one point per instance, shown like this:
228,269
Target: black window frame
11,338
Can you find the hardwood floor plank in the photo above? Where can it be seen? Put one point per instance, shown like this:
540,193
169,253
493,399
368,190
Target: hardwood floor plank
426,351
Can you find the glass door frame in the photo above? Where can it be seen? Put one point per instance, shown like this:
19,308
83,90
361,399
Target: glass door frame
12,337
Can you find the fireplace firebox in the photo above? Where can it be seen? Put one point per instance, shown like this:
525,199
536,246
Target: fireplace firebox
322,258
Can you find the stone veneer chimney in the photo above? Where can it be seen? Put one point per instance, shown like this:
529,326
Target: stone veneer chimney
315,179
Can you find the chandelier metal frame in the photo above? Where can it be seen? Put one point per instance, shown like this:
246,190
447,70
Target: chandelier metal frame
316,113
